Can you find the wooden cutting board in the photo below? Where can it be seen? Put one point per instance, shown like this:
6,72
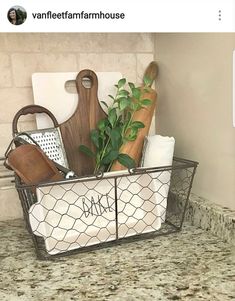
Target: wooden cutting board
76,130
49,90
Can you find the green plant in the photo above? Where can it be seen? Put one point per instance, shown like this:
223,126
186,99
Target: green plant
118,127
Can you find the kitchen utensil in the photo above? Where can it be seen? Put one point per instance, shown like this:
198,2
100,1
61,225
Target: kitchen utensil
76,130
57,92
32,165
145,115
49,139
18,140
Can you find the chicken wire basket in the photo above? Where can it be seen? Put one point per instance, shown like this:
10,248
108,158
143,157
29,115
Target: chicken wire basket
84,213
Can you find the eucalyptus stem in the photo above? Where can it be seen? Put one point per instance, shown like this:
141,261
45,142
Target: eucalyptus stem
97,167
124,131
117,128
108,141
110,165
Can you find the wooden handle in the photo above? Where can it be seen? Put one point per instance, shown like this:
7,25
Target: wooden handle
88,99
91,76
151,72
31,109
76,130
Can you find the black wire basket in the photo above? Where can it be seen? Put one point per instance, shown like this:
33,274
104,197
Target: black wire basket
91,212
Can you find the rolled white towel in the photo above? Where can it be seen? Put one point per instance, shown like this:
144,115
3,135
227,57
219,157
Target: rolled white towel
158,151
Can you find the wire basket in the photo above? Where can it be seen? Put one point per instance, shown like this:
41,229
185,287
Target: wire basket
84,213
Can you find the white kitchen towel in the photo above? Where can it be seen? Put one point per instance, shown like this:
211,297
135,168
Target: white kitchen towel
74,215
158,151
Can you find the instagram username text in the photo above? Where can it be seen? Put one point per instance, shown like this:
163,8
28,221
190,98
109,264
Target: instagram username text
80,15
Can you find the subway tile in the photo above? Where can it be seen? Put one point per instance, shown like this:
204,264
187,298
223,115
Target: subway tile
29,125
72,42
13,99
130,42
23,42
5,137
6,133
5,68
98,42
124,63
3,46
26,64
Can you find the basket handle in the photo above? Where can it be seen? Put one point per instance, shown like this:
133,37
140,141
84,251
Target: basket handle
31,109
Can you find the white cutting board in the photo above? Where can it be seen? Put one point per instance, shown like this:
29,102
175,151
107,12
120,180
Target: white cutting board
49,91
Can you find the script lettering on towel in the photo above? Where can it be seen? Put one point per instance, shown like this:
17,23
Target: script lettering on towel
96,206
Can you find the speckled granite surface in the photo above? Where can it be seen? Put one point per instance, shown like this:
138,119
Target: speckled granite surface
209,216
188,265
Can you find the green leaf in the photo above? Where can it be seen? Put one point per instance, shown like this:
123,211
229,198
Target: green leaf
123,103
111,97
146,102
95,137
135,106
123,93
133,134
86,150
146,90
101,141
134,131
126,121
128,116
112,116
126,160
116,138
137,124
147,81
119,122
108,149
111,156
131,85
108,131
102,124
136,93
104,103
131,138
121,83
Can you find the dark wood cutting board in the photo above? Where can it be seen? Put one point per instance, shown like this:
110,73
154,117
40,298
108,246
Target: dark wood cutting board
76,130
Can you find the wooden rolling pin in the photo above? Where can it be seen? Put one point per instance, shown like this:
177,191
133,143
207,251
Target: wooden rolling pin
145,115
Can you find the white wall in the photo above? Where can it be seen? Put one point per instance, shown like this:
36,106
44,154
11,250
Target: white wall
195,106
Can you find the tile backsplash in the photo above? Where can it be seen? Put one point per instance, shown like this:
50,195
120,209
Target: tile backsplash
22,54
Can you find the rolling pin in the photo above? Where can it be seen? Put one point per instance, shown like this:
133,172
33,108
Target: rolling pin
145,115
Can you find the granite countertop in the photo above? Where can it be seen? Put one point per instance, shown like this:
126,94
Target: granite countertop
189,265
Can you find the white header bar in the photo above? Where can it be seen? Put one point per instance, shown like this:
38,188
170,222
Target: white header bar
122,16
